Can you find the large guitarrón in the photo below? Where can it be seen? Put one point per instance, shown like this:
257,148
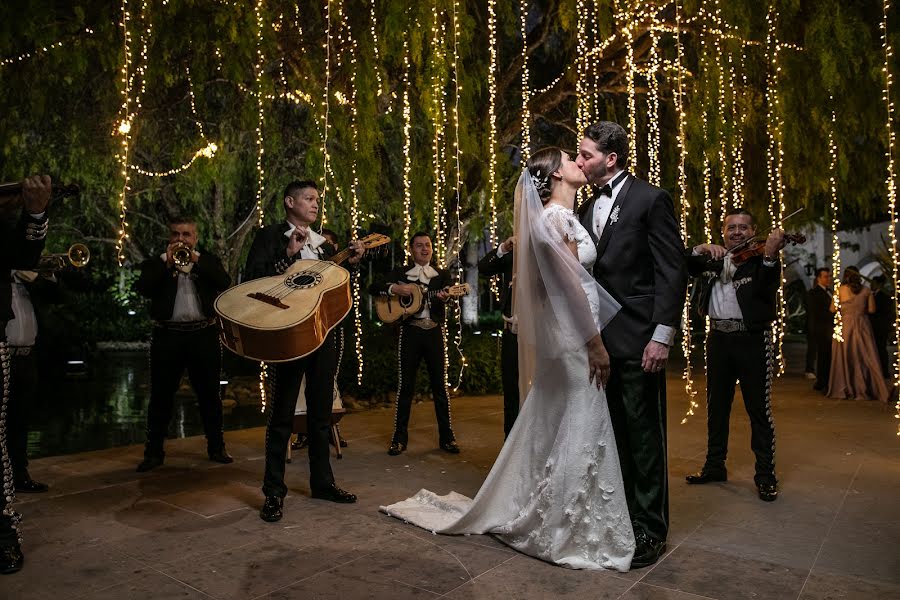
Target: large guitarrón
267,319
287,316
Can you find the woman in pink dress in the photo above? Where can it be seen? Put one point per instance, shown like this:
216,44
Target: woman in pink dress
855,370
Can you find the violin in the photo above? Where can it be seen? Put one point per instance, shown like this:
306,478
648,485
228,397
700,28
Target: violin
756,246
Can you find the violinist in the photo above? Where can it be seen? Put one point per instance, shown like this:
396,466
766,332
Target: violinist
739,283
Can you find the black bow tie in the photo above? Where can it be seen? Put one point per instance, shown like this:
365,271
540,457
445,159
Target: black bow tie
605,191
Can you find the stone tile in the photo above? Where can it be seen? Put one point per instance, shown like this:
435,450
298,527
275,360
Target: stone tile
215,500
51,573
330,586
828,586
252,570
417,563
147,585
643,591
796,549
863,549
524,578
193,538
725,577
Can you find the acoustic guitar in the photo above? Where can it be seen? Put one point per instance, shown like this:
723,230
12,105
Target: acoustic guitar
393,308
287,316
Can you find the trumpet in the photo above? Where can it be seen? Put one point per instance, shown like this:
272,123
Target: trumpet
181,254
77,256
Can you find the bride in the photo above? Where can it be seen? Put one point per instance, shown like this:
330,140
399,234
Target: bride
555,491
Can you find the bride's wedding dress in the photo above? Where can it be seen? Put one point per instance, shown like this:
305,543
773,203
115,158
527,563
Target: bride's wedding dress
555,491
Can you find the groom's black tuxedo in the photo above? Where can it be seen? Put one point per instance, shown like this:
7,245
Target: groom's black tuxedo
640,261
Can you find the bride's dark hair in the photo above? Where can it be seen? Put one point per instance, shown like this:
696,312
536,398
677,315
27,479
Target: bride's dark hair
540,165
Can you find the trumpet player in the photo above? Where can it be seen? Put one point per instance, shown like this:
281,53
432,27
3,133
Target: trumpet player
182,283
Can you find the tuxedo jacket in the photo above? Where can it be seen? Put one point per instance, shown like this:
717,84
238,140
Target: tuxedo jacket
820,319
18,252
756,287
436,307
640,262
159,283
492,265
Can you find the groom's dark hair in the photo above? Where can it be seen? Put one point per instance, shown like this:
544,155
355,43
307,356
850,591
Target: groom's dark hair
610,137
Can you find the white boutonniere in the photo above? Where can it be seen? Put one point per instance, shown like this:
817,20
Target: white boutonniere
614,215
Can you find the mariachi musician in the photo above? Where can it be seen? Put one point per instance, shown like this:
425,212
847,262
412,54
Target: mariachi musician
421,336
738,293
275,248
182,283
21,244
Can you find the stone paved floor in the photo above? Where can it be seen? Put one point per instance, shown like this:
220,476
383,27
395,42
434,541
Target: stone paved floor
190,529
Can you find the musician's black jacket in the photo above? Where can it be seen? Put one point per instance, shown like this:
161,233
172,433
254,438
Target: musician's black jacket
159,283
756,288
268,253
503,266
16,252
436,307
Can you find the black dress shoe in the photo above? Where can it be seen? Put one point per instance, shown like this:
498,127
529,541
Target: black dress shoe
647,551
343,442
11,559
300,443
150,462
334,494
450,447
705,477
396,448
271,509
768,492
221,456
30,486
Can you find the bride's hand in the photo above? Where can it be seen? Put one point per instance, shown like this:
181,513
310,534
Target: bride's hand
598,361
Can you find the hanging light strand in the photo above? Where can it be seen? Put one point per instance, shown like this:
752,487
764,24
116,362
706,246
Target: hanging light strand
373,28
492,133
407,154
776,160
891,188
653,133
260,113
687,345
457,151
526,96
437,120
326,106
838,333
207,151
124,131
43,49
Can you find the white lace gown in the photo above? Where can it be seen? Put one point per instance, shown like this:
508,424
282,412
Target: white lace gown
555,491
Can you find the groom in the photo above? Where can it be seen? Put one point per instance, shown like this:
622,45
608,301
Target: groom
640,262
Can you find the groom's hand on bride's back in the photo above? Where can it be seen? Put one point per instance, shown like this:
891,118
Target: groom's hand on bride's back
598,361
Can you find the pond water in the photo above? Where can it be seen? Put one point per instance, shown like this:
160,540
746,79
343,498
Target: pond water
107,407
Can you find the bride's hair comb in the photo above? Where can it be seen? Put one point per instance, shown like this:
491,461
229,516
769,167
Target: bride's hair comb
541,183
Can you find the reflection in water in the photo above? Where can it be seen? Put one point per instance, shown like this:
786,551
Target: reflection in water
108,408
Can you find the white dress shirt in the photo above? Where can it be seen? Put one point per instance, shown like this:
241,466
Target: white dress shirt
187,306
21,330
312,248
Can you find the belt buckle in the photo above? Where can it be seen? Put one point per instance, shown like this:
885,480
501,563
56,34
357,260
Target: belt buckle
728,325
424,324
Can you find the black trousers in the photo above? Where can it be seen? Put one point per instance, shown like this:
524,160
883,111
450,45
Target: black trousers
882,335
22,390
748,357
415,345
822,344
318,369
509,373
8,522
812,348
637,408
171,352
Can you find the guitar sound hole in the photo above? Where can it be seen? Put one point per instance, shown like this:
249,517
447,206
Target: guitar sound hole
304,280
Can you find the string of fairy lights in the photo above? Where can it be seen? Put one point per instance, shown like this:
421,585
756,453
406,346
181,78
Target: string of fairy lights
11,60
260,112
492,133
526,96
457,89
407,154
838,333
891,184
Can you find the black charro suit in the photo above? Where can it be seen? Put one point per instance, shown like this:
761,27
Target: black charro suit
820,321
21,245
490,265
414,345
268,257
640,262
175,347
747,355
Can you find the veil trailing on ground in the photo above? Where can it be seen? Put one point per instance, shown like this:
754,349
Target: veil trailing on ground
551,306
